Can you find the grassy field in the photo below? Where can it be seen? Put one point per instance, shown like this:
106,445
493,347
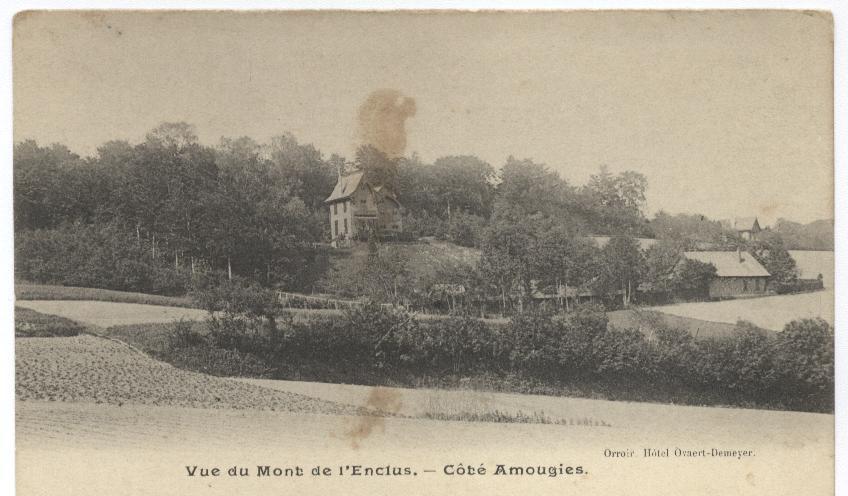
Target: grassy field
105,313
27,291
644,320
769,312
29,323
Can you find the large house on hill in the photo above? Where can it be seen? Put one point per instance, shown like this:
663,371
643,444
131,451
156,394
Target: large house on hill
738,273
358,207
747,227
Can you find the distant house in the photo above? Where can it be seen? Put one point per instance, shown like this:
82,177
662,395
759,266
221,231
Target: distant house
747,227
738,273
358,208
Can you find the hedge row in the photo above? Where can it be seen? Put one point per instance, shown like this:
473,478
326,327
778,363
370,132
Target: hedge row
752,367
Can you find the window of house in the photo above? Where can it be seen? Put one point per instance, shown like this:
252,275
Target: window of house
335,228
744,285
336,208
344,208
345,226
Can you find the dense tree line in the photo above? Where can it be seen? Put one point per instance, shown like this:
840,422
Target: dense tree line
170,203
150,216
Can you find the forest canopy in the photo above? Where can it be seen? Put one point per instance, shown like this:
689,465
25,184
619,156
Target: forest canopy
147,216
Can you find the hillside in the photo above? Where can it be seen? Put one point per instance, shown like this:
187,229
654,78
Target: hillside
426,260
817,235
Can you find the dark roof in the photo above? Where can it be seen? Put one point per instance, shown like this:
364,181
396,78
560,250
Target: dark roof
345,187
730,263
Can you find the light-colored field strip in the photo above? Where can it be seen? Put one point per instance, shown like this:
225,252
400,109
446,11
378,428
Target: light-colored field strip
84,448
107,313
769,312
619,414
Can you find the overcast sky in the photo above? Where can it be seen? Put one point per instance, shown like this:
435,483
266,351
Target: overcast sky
725,113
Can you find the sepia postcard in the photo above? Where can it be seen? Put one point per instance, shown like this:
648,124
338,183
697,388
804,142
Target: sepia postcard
424,252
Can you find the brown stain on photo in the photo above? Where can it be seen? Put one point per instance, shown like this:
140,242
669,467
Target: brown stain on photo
382,121
380,400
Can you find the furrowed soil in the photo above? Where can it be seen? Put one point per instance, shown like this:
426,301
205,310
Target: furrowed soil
96,370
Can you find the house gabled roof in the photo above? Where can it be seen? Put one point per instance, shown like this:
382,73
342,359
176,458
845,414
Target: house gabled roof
730,263
345,187
385,192
740,224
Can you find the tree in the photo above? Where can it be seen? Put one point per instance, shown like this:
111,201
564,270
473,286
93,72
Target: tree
561,259
661,260
768,249
622,266
306,174
530,189
693,276
379,168
689,231
51,186
506,260
616,202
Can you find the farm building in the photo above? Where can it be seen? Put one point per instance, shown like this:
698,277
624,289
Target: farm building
358,207
747,227
738,273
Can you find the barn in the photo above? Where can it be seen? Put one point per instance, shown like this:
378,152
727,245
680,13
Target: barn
358,207
738,273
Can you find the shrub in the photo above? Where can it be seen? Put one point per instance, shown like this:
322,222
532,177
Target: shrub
674,353
804,361
378,327
534,340
219,362
216,293
622,354
458,345
578,333
32,324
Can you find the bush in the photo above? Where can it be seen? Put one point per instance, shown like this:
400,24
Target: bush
804,362
214,292
534,339
579,332
378,327
219,362
622,354
32,324
456,345
539,350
